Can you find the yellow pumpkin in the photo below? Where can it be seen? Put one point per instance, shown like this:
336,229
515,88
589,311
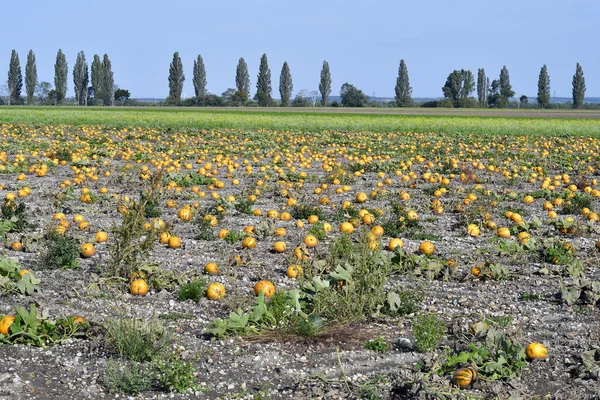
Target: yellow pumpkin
5,324
536,351
216,291
138,287
264,286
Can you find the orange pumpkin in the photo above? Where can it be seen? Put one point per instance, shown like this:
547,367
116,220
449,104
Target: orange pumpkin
427,248
294,271
138,287
5,324
249,242
310,241
464,377
264,286
279,247
87,250
174,242
211,268
216,291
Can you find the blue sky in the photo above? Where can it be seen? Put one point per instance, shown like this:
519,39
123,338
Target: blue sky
363,41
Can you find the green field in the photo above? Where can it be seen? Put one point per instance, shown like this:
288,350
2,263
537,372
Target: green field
415,120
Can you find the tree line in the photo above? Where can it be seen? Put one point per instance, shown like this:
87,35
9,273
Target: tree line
96,86
92,86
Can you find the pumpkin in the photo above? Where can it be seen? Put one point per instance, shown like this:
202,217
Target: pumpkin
294,271
101,237
249,242
346,227
16,246
310,241
138,287
361,197
536,351
87,250
473,230
24,272
211,268
5,324
216,291
279,247
395,242
174,242
185,214
464,377
503,232
427,248
264,286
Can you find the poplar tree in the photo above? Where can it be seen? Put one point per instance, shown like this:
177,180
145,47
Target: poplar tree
176,79
31,79
96,80
325,83
403,89
578,87
61,71
482,87
107,86
15,79
285,85
81,79
263,84
506,91
199,79
242,78
543,95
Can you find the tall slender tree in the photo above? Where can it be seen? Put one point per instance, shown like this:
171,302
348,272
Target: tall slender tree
15,79
31,79
176,79
199,80
107,87
403,89
325,83
81,79
263,83
506,91
285,85
459,86
61,71
482,83
543,94
242,78
578,87
96,80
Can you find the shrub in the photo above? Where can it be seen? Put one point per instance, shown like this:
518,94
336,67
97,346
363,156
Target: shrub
137,340
62,251
428,331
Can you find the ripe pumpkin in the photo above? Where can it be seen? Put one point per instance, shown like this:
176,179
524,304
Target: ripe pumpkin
361,197
216,291
87,250
174,242
264,286
185,214
5,324
279,247
138,287
473,230
211,268
427,248
101,237
249,242
503,232
464,377
77,319
280,232
294,271
395,242
16,246
346,227
310,241
536,351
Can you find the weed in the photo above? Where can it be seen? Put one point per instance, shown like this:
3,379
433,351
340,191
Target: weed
205,231
130,378
405,302
175,375
303,211
428,331
152,203
130,249
234,237
318,230
193,290
137,339
378,345
62,251
16,214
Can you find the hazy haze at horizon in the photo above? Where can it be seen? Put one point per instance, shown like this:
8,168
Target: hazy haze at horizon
362,41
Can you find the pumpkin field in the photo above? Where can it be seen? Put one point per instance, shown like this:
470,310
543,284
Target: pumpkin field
257,255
